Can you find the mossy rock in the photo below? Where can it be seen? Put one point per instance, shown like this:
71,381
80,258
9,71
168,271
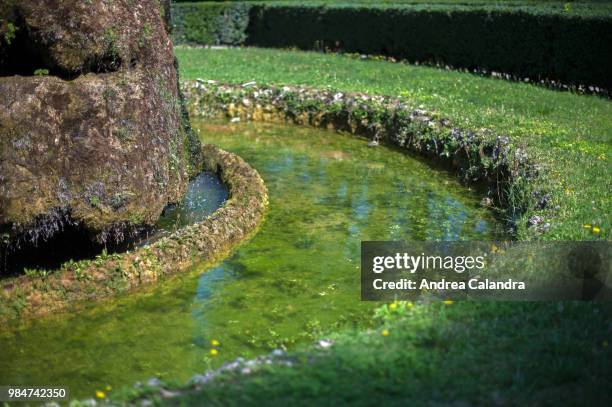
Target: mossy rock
92,130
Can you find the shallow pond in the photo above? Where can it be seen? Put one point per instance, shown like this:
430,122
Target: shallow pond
295,280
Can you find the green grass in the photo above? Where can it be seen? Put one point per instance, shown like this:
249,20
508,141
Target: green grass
569,135
437,354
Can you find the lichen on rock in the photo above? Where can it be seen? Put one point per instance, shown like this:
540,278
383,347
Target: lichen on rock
92,130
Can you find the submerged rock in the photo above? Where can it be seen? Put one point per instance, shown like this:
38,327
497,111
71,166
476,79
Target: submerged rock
92,130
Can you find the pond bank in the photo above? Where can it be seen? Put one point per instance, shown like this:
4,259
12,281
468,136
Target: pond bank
478,156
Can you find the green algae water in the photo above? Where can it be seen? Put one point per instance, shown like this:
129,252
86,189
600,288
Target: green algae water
295,280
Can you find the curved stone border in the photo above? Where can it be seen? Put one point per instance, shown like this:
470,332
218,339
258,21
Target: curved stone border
479,156
209,240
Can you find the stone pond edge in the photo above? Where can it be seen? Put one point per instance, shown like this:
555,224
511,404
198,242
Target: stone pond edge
108,274
477,156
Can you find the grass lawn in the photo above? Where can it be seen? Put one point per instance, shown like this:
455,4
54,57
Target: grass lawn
459,354
463,353
568,134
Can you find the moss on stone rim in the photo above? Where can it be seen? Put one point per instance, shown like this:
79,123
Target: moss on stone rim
106,275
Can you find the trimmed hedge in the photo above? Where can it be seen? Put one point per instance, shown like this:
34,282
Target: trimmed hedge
571,48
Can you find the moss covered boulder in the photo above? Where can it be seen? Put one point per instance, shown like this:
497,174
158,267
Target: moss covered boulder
92,130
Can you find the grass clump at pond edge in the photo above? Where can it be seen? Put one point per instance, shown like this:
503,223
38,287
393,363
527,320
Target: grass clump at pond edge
569,135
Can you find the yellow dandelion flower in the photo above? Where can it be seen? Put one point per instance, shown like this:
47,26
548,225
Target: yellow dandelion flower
409,304
596,229
385,332
109,387
215,342
100,394
586,226
448,302
213,352
393,306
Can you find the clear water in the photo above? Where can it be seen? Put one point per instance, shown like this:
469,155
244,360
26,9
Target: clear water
205,194
295,280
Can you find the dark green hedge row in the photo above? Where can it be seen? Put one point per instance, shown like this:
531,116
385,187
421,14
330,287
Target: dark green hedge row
571,49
